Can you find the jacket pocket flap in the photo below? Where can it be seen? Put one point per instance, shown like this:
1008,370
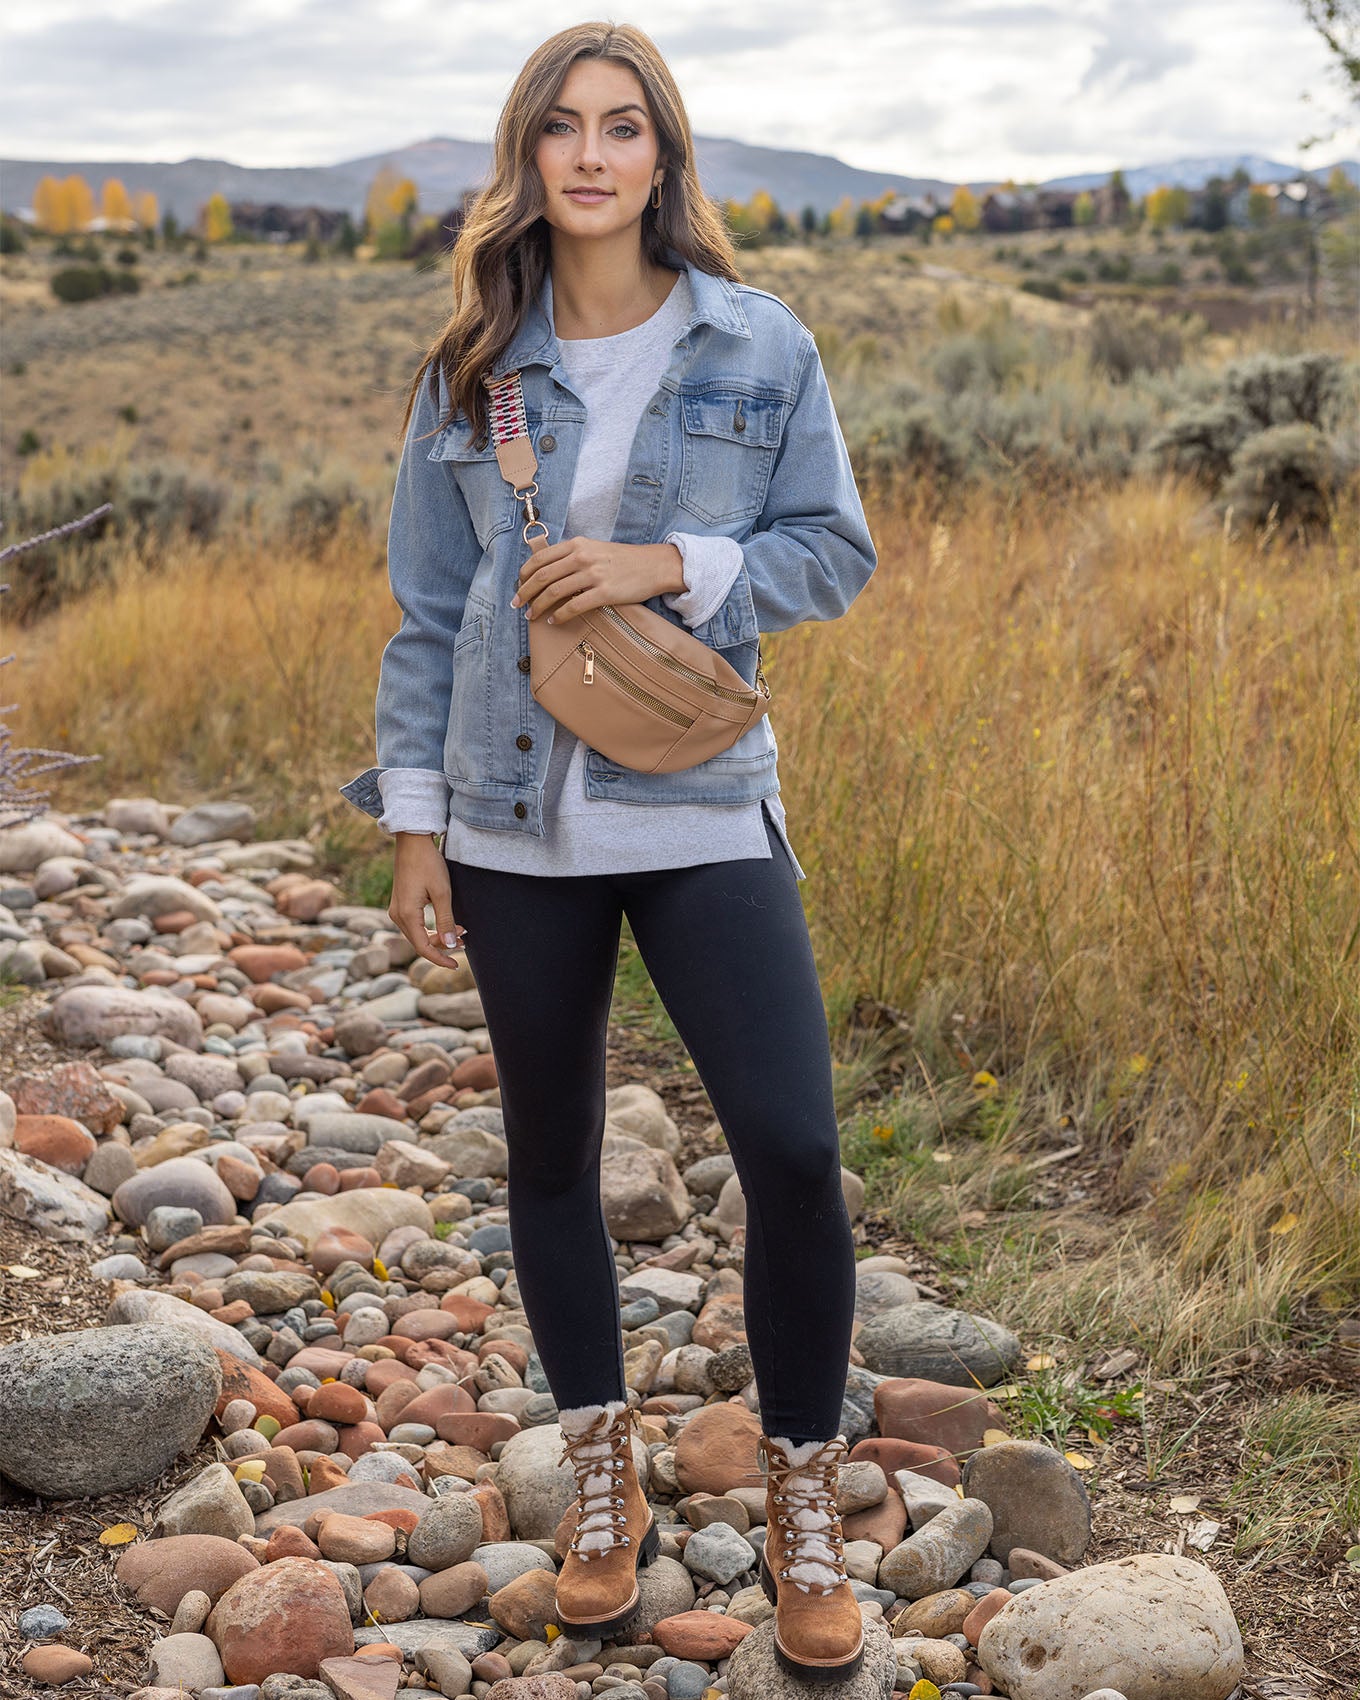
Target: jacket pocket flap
755,420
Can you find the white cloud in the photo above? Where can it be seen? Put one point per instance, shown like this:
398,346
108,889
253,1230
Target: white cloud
967,92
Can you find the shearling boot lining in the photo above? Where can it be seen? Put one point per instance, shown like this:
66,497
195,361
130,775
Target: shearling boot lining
814,1562
596,1530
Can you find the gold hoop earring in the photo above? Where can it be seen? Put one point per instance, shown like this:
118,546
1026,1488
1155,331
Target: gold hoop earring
656,194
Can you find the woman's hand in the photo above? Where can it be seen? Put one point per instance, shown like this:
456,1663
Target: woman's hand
564,579
421,876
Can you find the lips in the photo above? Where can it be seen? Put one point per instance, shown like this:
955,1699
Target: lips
589,195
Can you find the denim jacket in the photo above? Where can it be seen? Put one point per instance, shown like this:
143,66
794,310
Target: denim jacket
741,440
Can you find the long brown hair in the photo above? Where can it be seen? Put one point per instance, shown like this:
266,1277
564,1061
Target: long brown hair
501,254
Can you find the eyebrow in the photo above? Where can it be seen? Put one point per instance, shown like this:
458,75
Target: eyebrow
612,112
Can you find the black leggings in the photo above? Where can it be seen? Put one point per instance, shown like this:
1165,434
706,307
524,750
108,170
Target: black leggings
726,945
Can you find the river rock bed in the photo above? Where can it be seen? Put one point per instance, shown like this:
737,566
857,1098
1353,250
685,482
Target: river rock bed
286,1146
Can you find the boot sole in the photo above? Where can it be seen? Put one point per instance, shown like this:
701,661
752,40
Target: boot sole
604,1626
814,1671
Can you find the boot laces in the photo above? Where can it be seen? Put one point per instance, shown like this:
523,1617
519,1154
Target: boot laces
598,1456
808,1518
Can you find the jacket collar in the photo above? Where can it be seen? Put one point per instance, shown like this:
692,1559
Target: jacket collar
716,303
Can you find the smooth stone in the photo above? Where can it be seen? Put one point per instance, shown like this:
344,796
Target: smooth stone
286,1617
371,1212
930,1341
152,1305
1151,1626
937,1556
1037,1500
160,1573
190,1662
70,1402
754,1672
181,1181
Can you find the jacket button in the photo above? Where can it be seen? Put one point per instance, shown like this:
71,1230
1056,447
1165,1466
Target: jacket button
524,741
520,811
548,443
524,663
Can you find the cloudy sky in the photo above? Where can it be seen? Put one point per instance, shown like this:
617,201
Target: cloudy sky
960,89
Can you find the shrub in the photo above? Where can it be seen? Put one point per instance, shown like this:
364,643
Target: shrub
85,283
1289,468
1125,340
1200,442
1287,389
1049,287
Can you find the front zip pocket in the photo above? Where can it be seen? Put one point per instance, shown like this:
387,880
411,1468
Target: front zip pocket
594,659
668,660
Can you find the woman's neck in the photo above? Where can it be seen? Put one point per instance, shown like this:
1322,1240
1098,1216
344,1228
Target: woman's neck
597,292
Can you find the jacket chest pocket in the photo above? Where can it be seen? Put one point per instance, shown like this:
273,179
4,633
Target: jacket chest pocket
490,500
727,452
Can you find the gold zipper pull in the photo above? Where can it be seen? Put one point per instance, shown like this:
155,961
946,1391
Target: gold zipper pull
589,653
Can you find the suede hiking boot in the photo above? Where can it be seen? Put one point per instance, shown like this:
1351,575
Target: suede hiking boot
597,1588
818,1630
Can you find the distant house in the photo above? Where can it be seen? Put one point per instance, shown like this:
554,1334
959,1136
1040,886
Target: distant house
905,214
1006,210
278,223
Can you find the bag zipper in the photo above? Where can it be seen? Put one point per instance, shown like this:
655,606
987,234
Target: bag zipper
668,660
625,684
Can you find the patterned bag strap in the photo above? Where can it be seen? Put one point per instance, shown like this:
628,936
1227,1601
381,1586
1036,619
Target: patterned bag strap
514,447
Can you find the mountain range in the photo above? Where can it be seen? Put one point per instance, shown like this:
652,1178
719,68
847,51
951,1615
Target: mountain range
442,167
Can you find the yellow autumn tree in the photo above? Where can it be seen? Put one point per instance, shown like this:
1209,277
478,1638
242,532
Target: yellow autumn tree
146,209
841,218
1084,208
77,203
1166,208
114,202
49,205
761,209
964,208
944,224
391,198
215,218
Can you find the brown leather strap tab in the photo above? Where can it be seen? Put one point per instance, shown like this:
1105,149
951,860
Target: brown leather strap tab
518,462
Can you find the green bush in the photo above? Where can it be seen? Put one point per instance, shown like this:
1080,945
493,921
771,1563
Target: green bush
86,283
1290,470
1049,287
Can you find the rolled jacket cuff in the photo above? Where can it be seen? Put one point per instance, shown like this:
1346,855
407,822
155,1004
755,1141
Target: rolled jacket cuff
711,564
415,799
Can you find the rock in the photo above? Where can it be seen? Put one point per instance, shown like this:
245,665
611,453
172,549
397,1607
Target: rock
111,1165
932,1413
189,1662
936,1557
756,1674
355,1499
203,824
56,1665
1026,1565
371,1212
923,1497
288,1616
504,1560
936,1615
716,1449
103,1409
1037,1500
1151,1626
160,1573
181,1181
877,1290
41,1623
55,1140
931,1341
456,1590
551,1685
92,1015
209,1504
938,1661
706,1635
24,848
640,1112
718,1553
54,1204
447,1533
641,1192
268,1292
356,1540
170,1224
167,1310
420,1635
526,1605
191,1613
471,1152
667,1591
362,1679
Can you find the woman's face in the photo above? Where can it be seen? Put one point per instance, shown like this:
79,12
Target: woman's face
599,136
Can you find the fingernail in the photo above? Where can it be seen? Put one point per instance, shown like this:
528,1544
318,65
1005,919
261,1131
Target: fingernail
450,940
550,619
514,601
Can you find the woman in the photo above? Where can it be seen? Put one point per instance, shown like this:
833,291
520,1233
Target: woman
689,458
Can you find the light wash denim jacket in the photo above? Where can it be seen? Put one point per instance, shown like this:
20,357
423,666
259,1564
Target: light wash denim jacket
741,441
